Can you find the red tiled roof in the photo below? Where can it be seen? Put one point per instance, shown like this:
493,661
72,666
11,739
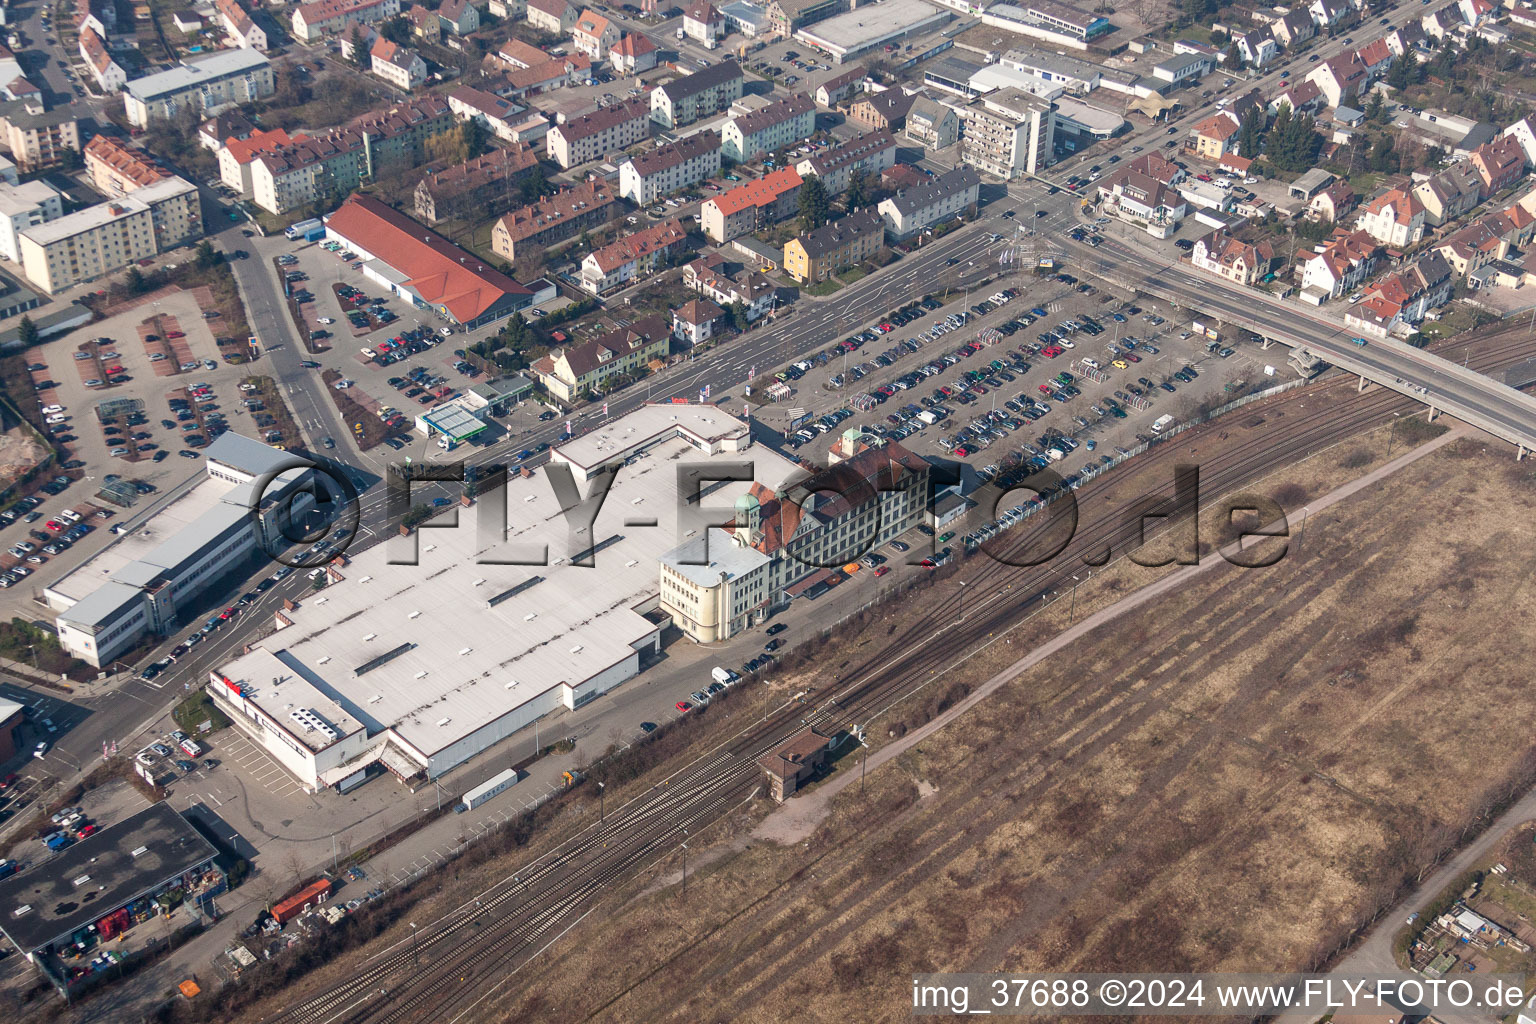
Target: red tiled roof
698,311
763,191
258,142
634,44
1375,52
1218,126
440,272
642,243
134,166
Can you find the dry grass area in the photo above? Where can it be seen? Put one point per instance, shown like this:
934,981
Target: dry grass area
1232,778
20,452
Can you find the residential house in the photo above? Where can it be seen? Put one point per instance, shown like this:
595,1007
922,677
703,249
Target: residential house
354,36
1338,266
840,86
1450,193
671,167
400,67
767,129
458,17
1340,78
1327,13
240,29
596,134
1499,164
933,124
632,257
882,111
1257,47
97,240
817,255
728,284
1376,57
1333,203
1522,132
1216,136
1397,304
1439,23
424,24
556,17
1294,28
1226,256
555,73
1469,248
109,75
594,35
1303,97
1394,218
501,117
704,24
478,185
633,54
229,125
752,205
683,101
570,372
517,54
868,154
1406,39
187,21
696,321
568,213
321,18
950,195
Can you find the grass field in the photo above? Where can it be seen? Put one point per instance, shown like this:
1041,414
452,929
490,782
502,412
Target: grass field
1231,778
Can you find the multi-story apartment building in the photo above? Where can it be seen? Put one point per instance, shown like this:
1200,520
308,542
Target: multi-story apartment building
600,132
631,257
752,205
1449,193
204,86
22,207
782,538
555,219
39,138
950,195
1216,136
1499,164
116,170
817,255
867,154
400,67
1008,133
571,372
314,21
764,130
288,172
684,100
668,168
933,124
97,240
475,186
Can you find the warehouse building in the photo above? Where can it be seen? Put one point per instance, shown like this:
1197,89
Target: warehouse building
422,267
150,578
59,909
427,650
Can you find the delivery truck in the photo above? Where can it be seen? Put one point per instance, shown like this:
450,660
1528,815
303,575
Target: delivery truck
1161,424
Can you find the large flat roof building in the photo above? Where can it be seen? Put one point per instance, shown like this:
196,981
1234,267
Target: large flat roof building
421,666
150,576
847,36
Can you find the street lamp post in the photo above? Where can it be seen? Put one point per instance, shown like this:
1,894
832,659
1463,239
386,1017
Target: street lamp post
685,870
602,802
415,944
1072,613
1392,435
961,617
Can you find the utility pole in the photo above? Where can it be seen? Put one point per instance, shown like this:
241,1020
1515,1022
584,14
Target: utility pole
685,871
415,944
1072,614
333,853
961,617
1392,436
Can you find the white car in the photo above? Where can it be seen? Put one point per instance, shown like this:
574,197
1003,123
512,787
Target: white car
446,332
71,515
157,357
40,750
119,452
51,409
327,320
342,385
56,418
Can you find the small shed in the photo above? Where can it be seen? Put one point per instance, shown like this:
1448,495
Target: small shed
793,762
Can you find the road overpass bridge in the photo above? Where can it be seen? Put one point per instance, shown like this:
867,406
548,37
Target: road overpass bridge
1443,385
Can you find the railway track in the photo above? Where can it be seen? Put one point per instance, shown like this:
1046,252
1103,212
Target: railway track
454,963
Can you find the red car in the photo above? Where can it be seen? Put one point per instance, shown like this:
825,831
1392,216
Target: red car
962,452
1132,356
174,334
882,570
114,369
8,781
87,830
1045,389
684,706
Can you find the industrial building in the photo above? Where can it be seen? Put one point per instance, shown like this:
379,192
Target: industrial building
426,650
152,575
59,908
845,37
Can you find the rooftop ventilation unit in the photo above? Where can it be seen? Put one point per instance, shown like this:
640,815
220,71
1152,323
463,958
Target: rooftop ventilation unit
464,650
444,721
413,614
